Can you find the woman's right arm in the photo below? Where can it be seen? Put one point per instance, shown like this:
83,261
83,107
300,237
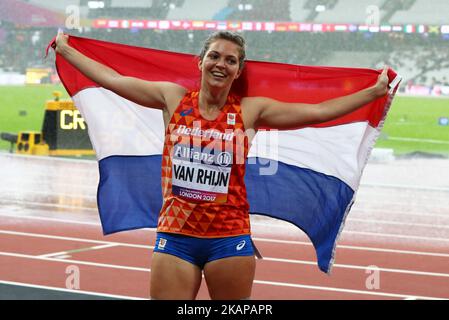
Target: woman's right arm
146,93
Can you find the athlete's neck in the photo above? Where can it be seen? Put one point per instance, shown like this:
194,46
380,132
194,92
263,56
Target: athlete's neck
211,100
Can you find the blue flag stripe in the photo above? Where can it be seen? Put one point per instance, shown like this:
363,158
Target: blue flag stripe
130,197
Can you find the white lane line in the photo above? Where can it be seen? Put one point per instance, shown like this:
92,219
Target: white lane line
92,293
360,248
286,284
348,266
384,294
46,236
375,234
86,263
109,245
59,255
67,254
340,246
405,271
63,256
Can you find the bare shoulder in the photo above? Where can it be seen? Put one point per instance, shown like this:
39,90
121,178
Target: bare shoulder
251,110
172,89
256,102
173,94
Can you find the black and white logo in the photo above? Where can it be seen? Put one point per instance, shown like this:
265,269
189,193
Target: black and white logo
224,159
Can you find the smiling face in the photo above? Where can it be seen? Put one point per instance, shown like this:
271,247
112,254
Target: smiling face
221,64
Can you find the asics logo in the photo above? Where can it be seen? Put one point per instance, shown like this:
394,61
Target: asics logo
240,245
184,113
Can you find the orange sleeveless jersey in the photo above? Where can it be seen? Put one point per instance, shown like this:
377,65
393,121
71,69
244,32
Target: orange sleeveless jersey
203,169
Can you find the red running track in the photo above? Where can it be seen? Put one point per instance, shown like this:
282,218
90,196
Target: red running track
49,225
38,251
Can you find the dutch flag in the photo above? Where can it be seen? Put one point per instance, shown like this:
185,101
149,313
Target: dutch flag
308,176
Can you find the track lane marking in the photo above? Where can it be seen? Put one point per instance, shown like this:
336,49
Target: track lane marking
46,236
80,262
436,254
285,284
384,294
361,248
305,262
69,253
349,266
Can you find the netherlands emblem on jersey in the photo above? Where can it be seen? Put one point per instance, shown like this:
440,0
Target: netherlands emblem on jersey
162,243
231,118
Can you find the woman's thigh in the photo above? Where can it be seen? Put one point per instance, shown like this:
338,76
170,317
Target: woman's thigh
230,278
173,278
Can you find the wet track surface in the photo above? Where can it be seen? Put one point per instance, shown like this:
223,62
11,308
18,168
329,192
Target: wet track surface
399,223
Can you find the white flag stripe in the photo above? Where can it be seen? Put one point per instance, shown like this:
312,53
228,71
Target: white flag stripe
120,127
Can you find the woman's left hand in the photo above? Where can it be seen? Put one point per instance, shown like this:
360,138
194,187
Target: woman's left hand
381,86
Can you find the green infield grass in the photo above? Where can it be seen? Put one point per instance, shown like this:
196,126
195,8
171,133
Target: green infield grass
22,107
413,125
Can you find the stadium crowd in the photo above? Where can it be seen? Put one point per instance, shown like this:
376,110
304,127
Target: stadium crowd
418,56
25,48
261,10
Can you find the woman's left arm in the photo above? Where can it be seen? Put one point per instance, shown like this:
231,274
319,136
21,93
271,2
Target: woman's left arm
280,115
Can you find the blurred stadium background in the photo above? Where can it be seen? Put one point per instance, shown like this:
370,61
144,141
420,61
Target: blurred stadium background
412,36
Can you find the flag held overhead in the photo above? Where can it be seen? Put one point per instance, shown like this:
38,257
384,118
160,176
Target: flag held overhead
317,169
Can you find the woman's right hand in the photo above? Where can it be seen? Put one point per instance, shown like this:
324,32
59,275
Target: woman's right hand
61,41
